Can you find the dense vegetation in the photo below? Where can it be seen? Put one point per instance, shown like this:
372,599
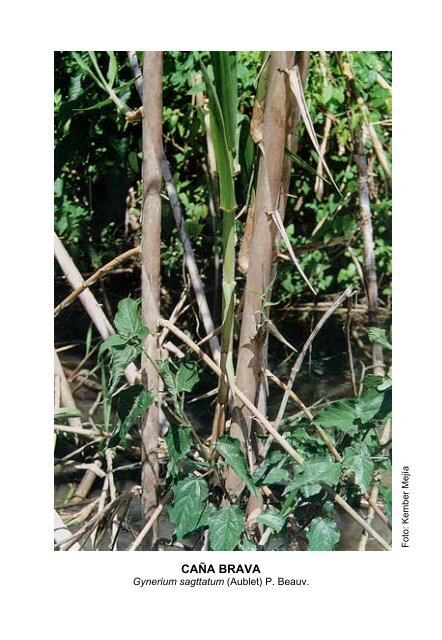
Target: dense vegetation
223,483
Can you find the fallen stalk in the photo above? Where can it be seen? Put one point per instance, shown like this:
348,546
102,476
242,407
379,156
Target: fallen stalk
149,524
96,276
269,427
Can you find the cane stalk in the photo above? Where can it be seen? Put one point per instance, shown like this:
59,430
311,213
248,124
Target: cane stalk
222,94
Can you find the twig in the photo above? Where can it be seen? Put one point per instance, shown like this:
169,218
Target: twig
89,526
349,349
66,396
299,360
96,276
62,533
113,495
149,524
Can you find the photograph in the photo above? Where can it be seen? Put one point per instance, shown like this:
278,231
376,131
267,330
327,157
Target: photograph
223,302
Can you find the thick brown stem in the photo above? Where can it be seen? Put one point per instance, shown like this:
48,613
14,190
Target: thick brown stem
279,130
369,267
150,276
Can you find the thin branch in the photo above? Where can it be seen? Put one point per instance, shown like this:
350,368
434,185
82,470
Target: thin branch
96,276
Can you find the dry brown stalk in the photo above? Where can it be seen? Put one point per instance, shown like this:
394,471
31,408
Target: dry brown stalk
150,275
150,523
66,397
175,205
96,276
370,276
277,128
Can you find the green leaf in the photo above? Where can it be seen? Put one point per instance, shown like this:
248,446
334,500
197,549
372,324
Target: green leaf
179,441
187,376
314,472
248,545
223,155
310,490
121,357
189,505
169,378
304,165
230,449
225,528
368,405
340,415
271,519
274,475
327,93
328,507
359,463
112,69
128,318
323,535
225,76
386,495
379,336
133,402
85,67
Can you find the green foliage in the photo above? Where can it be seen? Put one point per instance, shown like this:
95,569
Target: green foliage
230,450
128,320
133,402
178,379
358,461
323,535
271,519
378,335
190,497
349,415
225,528
179,442
312,474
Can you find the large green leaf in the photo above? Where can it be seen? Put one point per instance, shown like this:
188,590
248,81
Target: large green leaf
177,381
225,528
189,503
187,376
360,464
133,402
323,535
271,519
223,155
179,441
128,319
314,472
347,415
341,415
121,355
368,405
230,449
